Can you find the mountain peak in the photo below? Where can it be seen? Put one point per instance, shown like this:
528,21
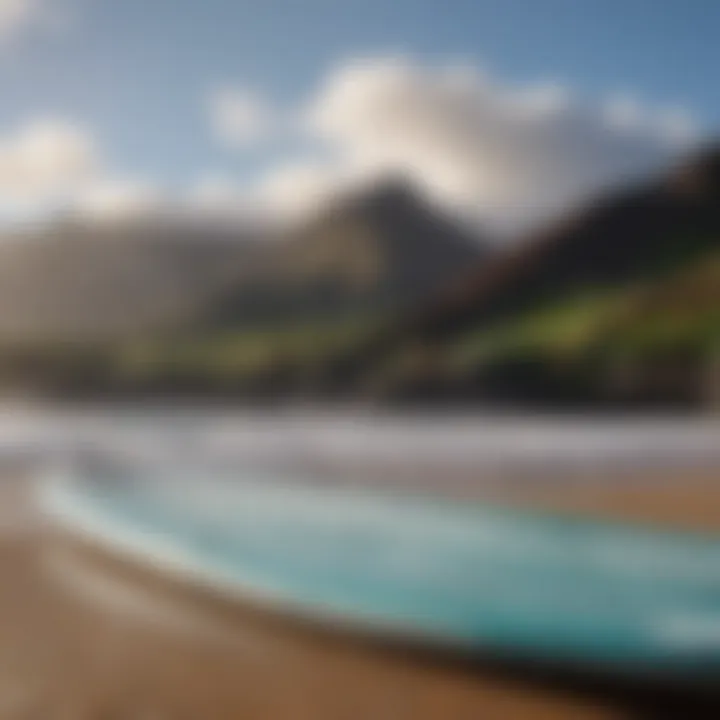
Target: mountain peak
392,190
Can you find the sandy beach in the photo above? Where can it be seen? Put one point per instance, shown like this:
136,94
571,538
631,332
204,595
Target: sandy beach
80,639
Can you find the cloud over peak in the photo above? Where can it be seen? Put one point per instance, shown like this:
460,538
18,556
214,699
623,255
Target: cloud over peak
506,155
509,155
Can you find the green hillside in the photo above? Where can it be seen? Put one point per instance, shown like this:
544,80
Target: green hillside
628,289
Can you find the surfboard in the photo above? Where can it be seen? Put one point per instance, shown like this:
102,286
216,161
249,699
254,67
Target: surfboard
549,588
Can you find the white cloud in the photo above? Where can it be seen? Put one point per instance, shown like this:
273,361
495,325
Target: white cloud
44,160
297,188
50,164
216,191
111,200
220,198
15,15
286,192
508,155
239,118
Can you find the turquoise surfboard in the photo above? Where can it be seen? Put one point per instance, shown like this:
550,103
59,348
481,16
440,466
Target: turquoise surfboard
529,586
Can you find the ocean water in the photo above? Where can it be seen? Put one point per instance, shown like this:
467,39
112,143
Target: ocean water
459,574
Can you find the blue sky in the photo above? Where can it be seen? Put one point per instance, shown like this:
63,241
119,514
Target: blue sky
138,73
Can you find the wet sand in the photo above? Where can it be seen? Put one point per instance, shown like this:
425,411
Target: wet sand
82,639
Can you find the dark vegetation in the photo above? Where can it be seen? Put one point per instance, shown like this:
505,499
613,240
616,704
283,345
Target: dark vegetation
619,304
